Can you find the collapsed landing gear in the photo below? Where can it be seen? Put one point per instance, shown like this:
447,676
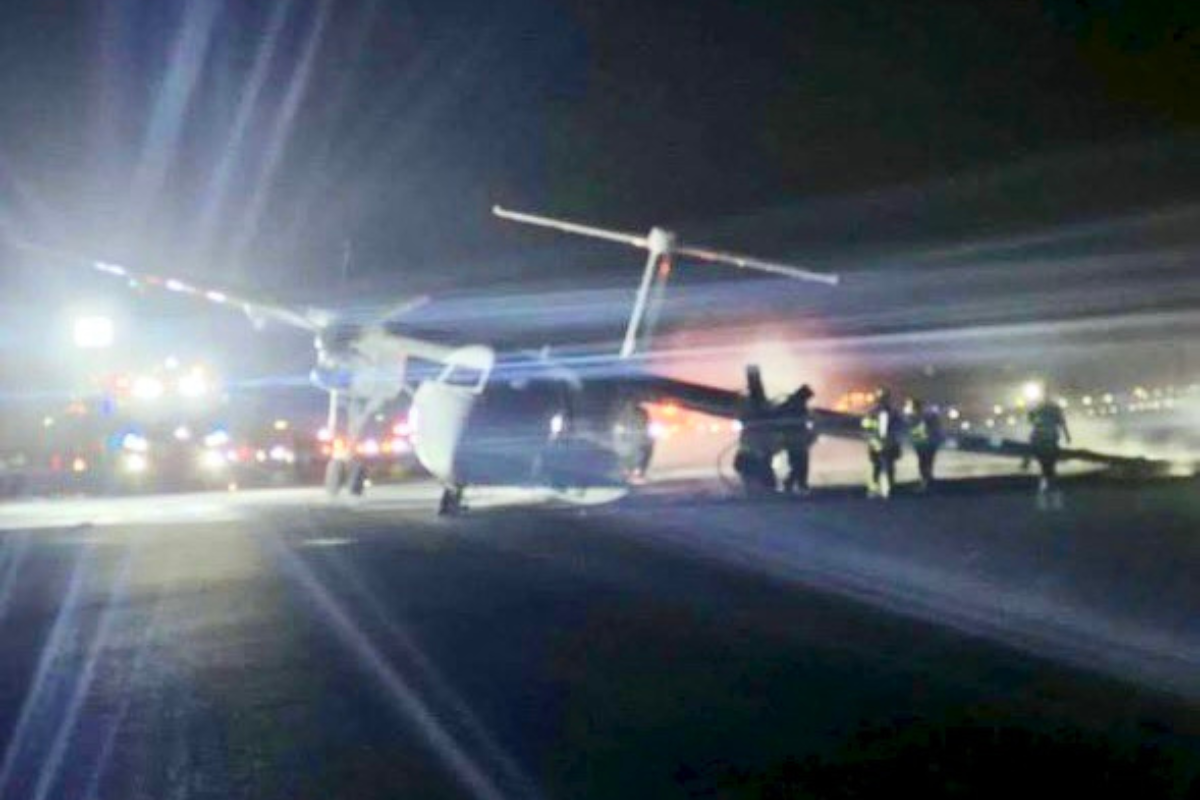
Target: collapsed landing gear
452,502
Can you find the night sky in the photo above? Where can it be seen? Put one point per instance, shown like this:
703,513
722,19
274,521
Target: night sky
236,137
249,142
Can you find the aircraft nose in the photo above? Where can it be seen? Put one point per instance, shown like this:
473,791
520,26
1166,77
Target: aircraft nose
439,415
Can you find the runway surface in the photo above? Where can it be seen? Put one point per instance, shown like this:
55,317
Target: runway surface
677,643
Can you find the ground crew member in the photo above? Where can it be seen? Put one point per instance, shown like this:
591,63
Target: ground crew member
881,424
925,433
1049,425
797,432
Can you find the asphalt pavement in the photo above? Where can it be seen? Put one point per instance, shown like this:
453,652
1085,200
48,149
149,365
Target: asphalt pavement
678,643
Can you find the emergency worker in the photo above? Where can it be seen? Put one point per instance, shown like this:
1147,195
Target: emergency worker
1049,427
882,427
925,433
796,430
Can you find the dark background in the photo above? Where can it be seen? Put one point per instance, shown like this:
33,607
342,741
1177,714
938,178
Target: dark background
256,144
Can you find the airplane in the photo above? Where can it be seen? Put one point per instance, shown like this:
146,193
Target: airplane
527,419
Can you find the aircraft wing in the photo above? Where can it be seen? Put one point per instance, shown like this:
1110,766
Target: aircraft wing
259,310
826,422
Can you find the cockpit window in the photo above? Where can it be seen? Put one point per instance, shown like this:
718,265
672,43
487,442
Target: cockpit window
463,376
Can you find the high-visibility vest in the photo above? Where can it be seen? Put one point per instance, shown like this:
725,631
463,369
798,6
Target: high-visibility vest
872,423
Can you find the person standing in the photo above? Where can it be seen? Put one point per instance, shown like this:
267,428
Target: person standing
1049,427
881,425
925,433
798,437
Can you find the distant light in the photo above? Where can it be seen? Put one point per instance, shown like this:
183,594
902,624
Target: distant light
47,422
177,286
657,430
1010,420
966,426
735,426
260,456
991,423
218,438
134,443
147,387
111,269
193,384
183,433
216,297
953,413
997,409
79,465
556,424
399,446
670,410
1087,400
135,463
213,460
282,454
1063,402
94,333
171,362
401,428
1108,399
368,447
1033,391
324,435
281,425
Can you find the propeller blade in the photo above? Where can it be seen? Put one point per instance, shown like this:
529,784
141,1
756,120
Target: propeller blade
407,307
662,241
573,227
747,262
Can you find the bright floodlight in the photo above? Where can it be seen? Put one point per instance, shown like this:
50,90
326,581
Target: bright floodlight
147,387
1033,391
218,438
213,460
94,333
193,384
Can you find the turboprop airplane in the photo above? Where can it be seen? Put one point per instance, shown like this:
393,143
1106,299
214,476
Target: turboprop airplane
530,420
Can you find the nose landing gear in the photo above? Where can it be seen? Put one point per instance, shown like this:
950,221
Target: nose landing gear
451,504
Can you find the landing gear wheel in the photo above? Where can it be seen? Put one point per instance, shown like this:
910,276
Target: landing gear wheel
357,479
451,504
335,476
